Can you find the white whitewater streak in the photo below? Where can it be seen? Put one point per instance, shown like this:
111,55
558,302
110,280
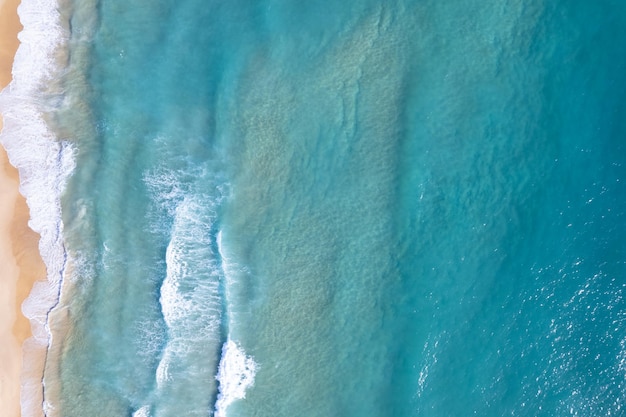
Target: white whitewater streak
192,314
43,162
174,304
142,412
236,374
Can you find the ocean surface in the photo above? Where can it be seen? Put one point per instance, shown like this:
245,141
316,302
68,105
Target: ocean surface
307,208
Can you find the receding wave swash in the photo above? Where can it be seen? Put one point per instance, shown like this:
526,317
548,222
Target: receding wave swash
44,161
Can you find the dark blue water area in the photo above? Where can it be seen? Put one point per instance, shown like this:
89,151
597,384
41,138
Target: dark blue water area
534,324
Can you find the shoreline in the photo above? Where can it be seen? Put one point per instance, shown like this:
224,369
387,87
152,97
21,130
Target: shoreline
20,261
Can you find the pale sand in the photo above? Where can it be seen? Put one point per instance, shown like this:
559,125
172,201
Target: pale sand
10,26
20,263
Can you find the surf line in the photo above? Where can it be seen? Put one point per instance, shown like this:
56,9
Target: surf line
44,163
237,370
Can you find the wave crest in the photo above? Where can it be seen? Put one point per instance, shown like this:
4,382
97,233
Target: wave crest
235,375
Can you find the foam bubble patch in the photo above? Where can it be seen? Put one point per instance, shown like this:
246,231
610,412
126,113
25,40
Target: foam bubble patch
235,375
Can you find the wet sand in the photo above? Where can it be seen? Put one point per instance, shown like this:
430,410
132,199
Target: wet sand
20,263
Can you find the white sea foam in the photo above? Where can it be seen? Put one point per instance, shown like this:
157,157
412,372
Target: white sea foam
185,209
162,372
191,264
142,412
235,375
231,271
174,305
43,162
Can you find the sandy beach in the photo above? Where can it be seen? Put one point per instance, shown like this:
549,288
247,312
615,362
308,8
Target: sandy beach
20,264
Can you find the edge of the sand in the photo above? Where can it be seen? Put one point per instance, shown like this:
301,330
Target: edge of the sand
21,264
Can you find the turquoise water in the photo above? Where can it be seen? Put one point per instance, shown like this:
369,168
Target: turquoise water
281,208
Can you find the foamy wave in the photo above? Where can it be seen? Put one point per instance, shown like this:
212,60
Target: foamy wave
190,299
162,372
236,374
175,306
142,412
184,213
43,162
190,262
